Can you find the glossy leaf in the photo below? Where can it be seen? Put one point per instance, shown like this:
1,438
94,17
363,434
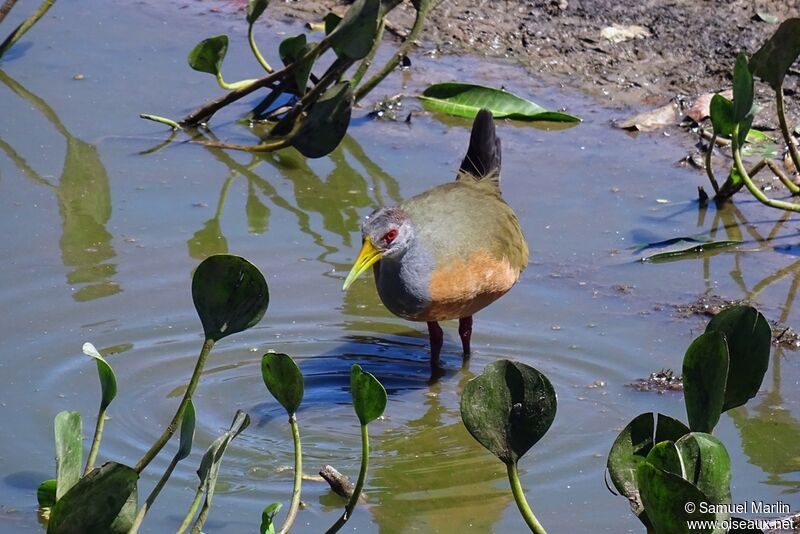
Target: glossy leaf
268,518
108,382
283,379
230,295
707,464
95,502
749,338
705,368
722,118
744,128
776,56
354,35
665,497
666,457
689,252
742,88
508,408
187,432
369,395
69,451
326,124
330,21
465,100
46,493
208,55
291,50
255,8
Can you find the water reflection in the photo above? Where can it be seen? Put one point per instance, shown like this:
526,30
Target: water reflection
84,202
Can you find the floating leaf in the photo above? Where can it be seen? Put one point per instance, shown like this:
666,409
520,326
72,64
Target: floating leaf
108,382
187,432
255,8
95,502
208,55
667,242
230,295
46,493
666,497
708,465
354,35
705,367
69,451
742,89
268,518
283,379
291,50
327,122
689,252
369,395
749,337
465,100
775,57
508,408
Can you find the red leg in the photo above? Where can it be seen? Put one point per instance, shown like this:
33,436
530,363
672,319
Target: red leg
437,338
465,332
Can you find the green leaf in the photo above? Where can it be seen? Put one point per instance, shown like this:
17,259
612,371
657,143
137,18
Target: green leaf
666,457
705,368
331,20
230,295
775,57
95,502
326,123
46,493
354,35
508,408
254,9
631,448
742,89
69,451
291,50
208,55
369,396
689,252
268,517
187,432
212,459
708,465
721,113
665,497
108,382
749,340
744,128
283,379
465,100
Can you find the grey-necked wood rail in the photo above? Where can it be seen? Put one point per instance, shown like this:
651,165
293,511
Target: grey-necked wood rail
450,251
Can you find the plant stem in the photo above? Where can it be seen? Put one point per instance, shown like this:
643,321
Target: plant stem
192,510
362,475
22,29
709,168
785,129
298,477
152,497
367,61
256,51
173,425
163,120
522,504
98,435
5,9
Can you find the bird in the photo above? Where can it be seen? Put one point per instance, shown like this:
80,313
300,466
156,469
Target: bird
450,251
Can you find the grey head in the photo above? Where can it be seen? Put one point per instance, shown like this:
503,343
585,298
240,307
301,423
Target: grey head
390,230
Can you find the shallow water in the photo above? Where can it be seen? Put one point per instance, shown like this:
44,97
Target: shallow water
100,241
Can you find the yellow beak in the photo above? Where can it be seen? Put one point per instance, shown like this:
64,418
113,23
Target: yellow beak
369,254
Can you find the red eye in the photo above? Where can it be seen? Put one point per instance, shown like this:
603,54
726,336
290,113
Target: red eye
390,235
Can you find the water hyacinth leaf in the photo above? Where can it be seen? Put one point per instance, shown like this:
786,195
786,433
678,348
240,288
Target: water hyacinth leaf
230,295
665,497
705,368
632,446
742,88
283,379
330,21
292,49
665,456
708,465
744,128
690,252
187,432
722,119
508,408
255,8
326,124
354,35
369,395
268,518
212,459
69,451
208,55
95,502
108,382
46,493
749,338
773,60
465,100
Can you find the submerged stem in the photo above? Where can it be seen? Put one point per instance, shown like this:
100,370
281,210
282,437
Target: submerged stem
298,477
362,475
522,503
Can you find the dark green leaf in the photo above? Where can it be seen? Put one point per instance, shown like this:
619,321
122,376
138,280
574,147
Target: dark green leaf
689,252
283,379
291,50
354,35
267,518
208,55
187,432
369,396
254,9
665,497
230,295
665,456
46,493
95,502
749,337
705,368
742,88
212,459
326,123
744,128
775,57
69,451
508,408
707,464
108,382
721,112
465,100
331,20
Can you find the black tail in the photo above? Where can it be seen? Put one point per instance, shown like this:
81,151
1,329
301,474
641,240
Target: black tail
483,154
